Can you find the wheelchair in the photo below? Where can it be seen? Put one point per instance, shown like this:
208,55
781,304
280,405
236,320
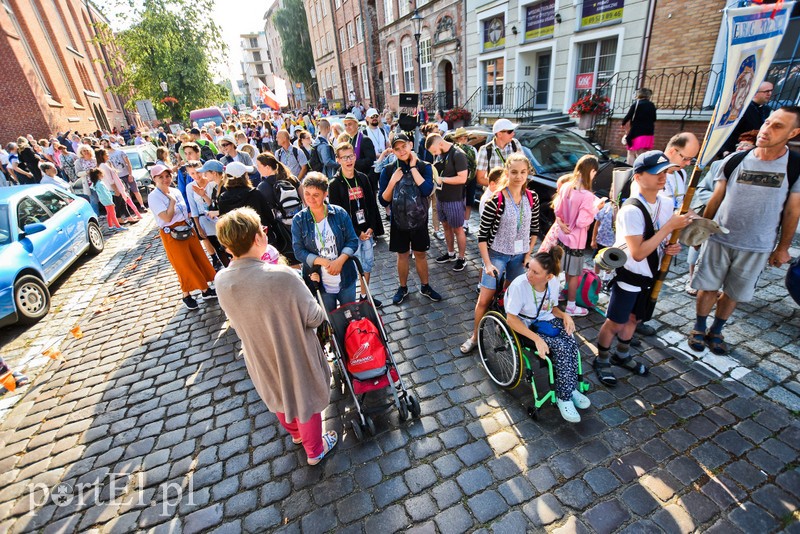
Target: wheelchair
507,361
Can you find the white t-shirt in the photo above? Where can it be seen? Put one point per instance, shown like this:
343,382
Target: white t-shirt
675,188
630,221
443,127
159,202
198,207
379,139
326,244
522,299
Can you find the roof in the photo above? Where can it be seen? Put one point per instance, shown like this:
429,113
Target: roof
8,193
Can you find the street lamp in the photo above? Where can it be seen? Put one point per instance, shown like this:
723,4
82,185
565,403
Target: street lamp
416,20
165,88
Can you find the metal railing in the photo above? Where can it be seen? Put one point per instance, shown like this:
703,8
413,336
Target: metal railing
509,100
440,100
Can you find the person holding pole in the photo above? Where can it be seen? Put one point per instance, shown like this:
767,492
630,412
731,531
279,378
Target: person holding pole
759,203
643,224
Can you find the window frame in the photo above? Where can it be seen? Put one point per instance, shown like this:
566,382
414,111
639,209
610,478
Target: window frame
408,66
426,64
394,86
365,81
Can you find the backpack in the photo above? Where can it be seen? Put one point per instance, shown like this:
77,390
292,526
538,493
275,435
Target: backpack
492,146
287,201
366,355
472,160
206,154
314,161
588,289
792,167
409,207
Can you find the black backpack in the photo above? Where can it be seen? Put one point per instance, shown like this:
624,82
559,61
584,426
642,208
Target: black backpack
409,206
792,168
314,161
287,201
206,154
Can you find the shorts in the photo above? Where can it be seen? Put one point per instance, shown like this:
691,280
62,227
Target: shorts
469,191
734,271
451,213
571,265
400,241
623,303
131,182
366,254
506,264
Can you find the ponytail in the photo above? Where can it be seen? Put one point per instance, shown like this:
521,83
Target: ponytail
550,260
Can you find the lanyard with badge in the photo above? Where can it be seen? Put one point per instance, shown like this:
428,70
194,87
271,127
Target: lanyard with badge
654,217
352,193
321,234
519,244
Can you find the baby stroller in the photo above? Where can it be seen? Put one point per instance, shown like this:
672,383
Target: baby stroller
369,365
507,361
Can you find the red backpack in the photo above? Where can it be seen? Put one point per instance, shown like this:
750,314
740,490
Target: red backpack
366,355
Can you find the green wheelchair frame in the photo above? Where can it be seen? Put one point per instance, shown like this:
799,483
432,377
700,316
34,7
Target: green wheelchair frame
507,362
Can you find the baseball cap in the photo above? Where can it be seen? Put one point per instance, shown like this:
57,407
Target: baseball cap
402,137
502,125
155,170
226,139
195,131
372,111
350,117
237,169
652,162
212,165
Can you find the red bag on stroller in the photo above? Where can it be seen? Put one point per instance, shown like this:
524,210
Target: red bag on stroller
366,355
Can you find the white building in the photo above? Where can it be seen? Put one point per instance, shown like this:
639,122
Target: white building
526,55
256,64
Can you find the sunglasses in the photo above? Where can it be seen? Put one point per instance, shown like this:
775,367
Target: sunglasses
508,131
224,144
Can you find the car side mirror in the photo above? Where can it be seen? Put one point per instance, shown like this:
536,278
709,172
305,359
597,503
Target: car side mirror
149,164
33,228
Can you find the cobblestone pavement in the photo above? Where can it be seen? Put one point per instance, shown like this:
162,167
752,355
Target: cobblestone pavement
153,417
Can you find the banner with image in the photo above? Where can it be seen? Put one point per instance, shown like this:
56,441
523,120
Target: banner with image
596,12
754,34
494,33
540,20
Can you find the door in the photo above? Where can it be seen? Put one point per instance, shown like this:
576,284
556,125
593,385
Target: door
47,246
448,85
542,81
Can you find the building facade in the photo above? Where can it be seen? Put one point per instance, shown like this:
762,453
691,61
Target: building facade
357,51
275,47
441,50
256,65
321,28
54,75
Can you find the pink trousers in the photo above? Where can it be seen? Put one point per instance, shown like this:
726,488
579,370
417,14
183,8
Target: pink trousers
310,432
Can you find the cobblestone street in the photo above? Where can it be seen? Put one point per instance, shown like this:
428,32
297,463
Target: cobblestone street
152,415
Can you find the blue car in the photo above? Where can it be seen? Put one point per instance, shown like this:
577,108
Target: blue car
43,230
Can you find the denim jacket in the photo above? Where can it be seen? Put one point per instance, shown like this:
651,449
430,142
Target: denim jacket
304,243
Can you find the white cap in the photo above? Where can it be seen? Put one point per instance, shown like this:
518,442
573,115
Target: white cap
371,112
237,169
503,124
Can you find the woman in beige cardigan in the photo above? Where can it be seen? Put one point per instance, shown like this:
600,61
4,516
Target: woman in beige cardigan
283,356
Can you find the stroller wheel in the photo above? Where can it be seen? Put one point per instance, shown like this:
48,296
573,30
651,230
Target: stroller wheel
370,425
357,430
403,410
413,406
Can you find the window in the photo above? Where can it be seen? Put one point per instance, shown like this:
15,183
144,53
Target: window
364,80
388,11
253,42
351,36
65,29
408,66
311,15
360,29
348,80
494,32
257,56
29,212
317,10
426,65
596,65
338,4
493,76
52,201
393,87
324,8
403,8
342,42
259,69
28,51
328,38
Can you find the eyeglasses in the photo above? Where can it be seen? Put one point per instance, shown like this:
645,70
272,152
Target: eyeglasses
765,91
351,157
684,158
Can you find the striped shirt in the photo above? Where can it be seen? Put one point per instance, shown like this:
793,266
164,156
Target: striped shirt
490,219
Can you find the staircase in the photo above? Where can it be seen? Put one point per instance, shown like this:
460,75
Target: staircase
552,118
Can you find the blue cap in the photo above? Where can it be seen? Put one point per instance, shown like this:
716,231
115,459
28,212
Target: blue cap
652,162
212,165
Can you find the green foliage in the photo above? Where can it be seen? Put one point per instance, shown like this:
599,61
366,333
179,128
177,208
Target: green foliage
298,58
172,41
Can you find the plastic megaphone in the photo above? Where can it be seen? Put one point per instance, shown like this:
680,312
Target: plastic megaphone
610,258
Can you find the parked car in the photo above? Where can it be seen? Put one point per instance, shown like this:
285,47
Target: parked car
205,116
553,153
43,230
142,157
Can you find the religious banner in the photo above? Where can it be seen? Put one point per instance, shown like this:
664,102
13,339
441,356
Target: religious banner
540,20
494,32
754,34
597,12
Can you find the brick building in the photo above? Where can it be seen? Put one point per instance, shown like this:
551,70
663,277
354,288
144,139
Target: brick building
54,76
358,47
322,29
441,52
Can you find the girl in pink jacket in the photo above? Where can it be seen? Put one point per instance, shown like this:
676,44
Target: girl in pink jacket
575,207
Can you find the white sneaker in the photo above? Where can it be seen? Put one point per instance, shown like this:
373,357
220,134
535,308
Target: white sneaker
602,298
580,400
576,311
568,411
468,346
439,235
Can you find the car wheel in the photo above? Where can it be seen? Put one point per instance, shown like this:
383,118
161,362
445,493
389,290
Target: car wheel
32,299
96,242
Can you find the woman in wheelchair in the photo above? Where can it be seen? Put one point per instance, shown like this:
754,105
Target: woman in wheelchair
531,307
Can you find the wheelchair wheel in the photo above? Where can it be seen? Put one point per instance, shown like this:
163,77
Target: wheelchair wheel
499,350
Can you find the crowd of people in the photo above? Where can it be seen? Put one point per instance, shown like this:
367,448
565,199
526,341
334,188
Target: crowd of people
236,203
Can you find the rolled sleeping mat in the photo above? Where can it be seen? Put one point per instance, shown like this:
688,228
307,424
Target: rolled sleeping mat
610,258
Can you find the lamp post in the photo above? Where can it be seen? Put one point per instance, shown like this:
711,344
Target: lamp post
416,20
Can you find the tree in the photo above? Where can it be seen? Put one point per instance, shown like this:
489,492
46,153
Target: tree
170,41
298,58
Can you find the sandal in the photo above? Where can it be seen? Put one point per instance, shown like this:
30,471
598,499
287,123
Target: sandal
630,364
716,344
697,340
297,441
605,376
329,440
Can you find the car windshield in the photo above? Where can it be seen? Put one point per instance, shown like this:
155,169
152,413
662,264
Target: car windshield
205,120
556,152
5,228
136,160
